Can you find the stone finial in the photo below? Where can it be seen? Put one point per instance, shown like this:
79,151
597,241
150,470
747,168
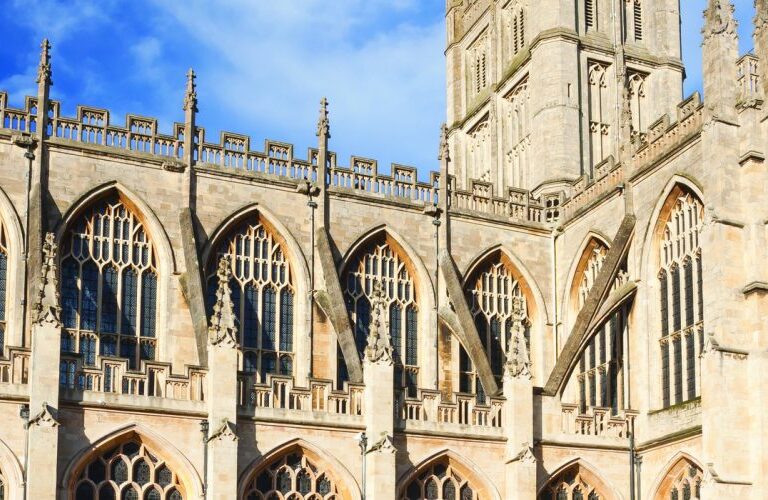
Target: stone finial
719,19
444,153
44,68
379,348
190,94
323,124
223,330
46,311
518,364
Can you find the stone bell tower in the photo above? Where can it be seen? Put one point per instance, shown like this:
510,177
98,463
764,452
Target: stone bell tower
539,92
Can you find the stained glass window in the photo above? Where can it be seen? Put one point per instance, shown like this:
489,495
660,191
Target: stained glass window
572,484
439,481
108,276
291,476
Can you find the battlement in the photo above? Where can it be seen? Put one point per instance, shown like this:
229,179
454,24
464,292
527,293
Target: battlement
93,127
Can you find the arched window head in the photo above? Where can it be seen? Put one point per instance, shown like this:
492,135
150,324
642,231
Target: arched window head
574,483
682,482
439,481
680,296
382,262
498,304
600,112
3,487
128,471
263,295
292,476
109,285
4,259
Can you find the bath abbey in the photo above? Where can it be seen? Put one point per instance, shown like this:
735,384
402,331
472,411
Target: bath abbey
569,307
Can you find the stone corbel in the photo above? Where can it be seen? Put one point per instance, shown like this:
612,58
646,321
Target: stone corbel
225,432
384,446
174,166
45,418
525,456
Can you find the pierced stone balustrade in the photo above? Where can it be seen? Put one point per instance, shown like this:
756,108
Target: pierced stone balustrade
462,410
15,368
598,422
279,392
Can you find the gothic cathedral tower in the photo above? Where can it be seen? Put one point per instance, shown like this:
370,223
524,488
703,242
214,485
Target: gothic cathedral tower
542,91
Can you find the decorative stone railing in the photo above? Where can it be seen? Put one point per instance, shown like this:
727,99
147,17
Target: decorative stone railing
279,392
113,376
608,176
15,368
463,410
517,206
597,422
749,80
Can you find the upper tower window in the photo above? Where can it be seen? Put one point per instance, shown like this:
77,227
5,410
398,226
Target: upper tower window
514,38
599,112
263,297
633,20
479,65
590,14
109,285
3,284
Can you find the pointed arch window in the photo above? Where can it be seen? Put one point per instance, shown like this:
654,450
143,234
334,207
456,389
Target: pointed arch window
599,112
293,476
681,298
127,471
518,138
381,262
600,374
263,297
3,285
575,483
493,294
682,482
439,481
109,285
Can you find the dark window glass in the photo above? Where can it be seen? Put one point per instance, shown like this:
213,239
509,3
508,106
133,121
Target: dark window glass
665,374
678,353
129,301
286,320
411,344
250,323
690,359
88,349
700,287
148,304
69,293
688,270
89,307
269,333
362,322
395,330
676,319
664,304
109,301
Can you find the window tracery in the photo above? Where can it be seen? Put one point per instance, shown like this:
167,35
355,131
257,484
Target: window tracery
479,65
3,285
572,484
439,482
600,374
518,134
479,151
682,482
109,286
3,487
262,295
681,300
514,29
293,477
637,103
380,263
128,471
493,296
599,112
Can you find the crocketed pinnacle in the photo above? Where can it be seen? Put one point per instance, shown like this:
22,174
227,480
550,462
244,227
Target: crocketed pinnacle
190,95
222,330
323,124
444,152
719,19
46,310
44,68
379,348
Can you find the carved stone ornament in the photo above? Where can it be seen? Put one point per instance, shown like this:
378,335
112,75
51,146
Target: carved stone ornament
718,19
46,310
223,331
45,418
44,68
444,152
225,432
190,95
526,456
379,348
323,124
383,445
518,364
710,345
174,166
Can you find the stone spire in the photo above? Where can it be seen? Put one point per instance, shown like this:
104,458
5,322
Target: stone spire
190,95
720,52
379,348
44,68
518,364
222,330
323,124
46,310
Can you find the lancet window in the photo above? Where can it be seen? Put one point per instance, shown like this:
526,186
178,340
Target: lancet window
682,482
681,300
600,373
109,286
439,482
381,263
599,112
3,284
637,104
496,301
518,135
293,477
572,484
479,151
479,65
515,19
128,472
263,296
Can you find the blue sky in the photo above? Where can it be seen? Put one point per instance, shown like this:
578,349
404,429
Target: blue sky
264,65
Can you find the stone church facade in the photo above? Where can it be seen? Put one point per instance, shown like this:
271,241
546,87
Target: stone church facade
572,307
